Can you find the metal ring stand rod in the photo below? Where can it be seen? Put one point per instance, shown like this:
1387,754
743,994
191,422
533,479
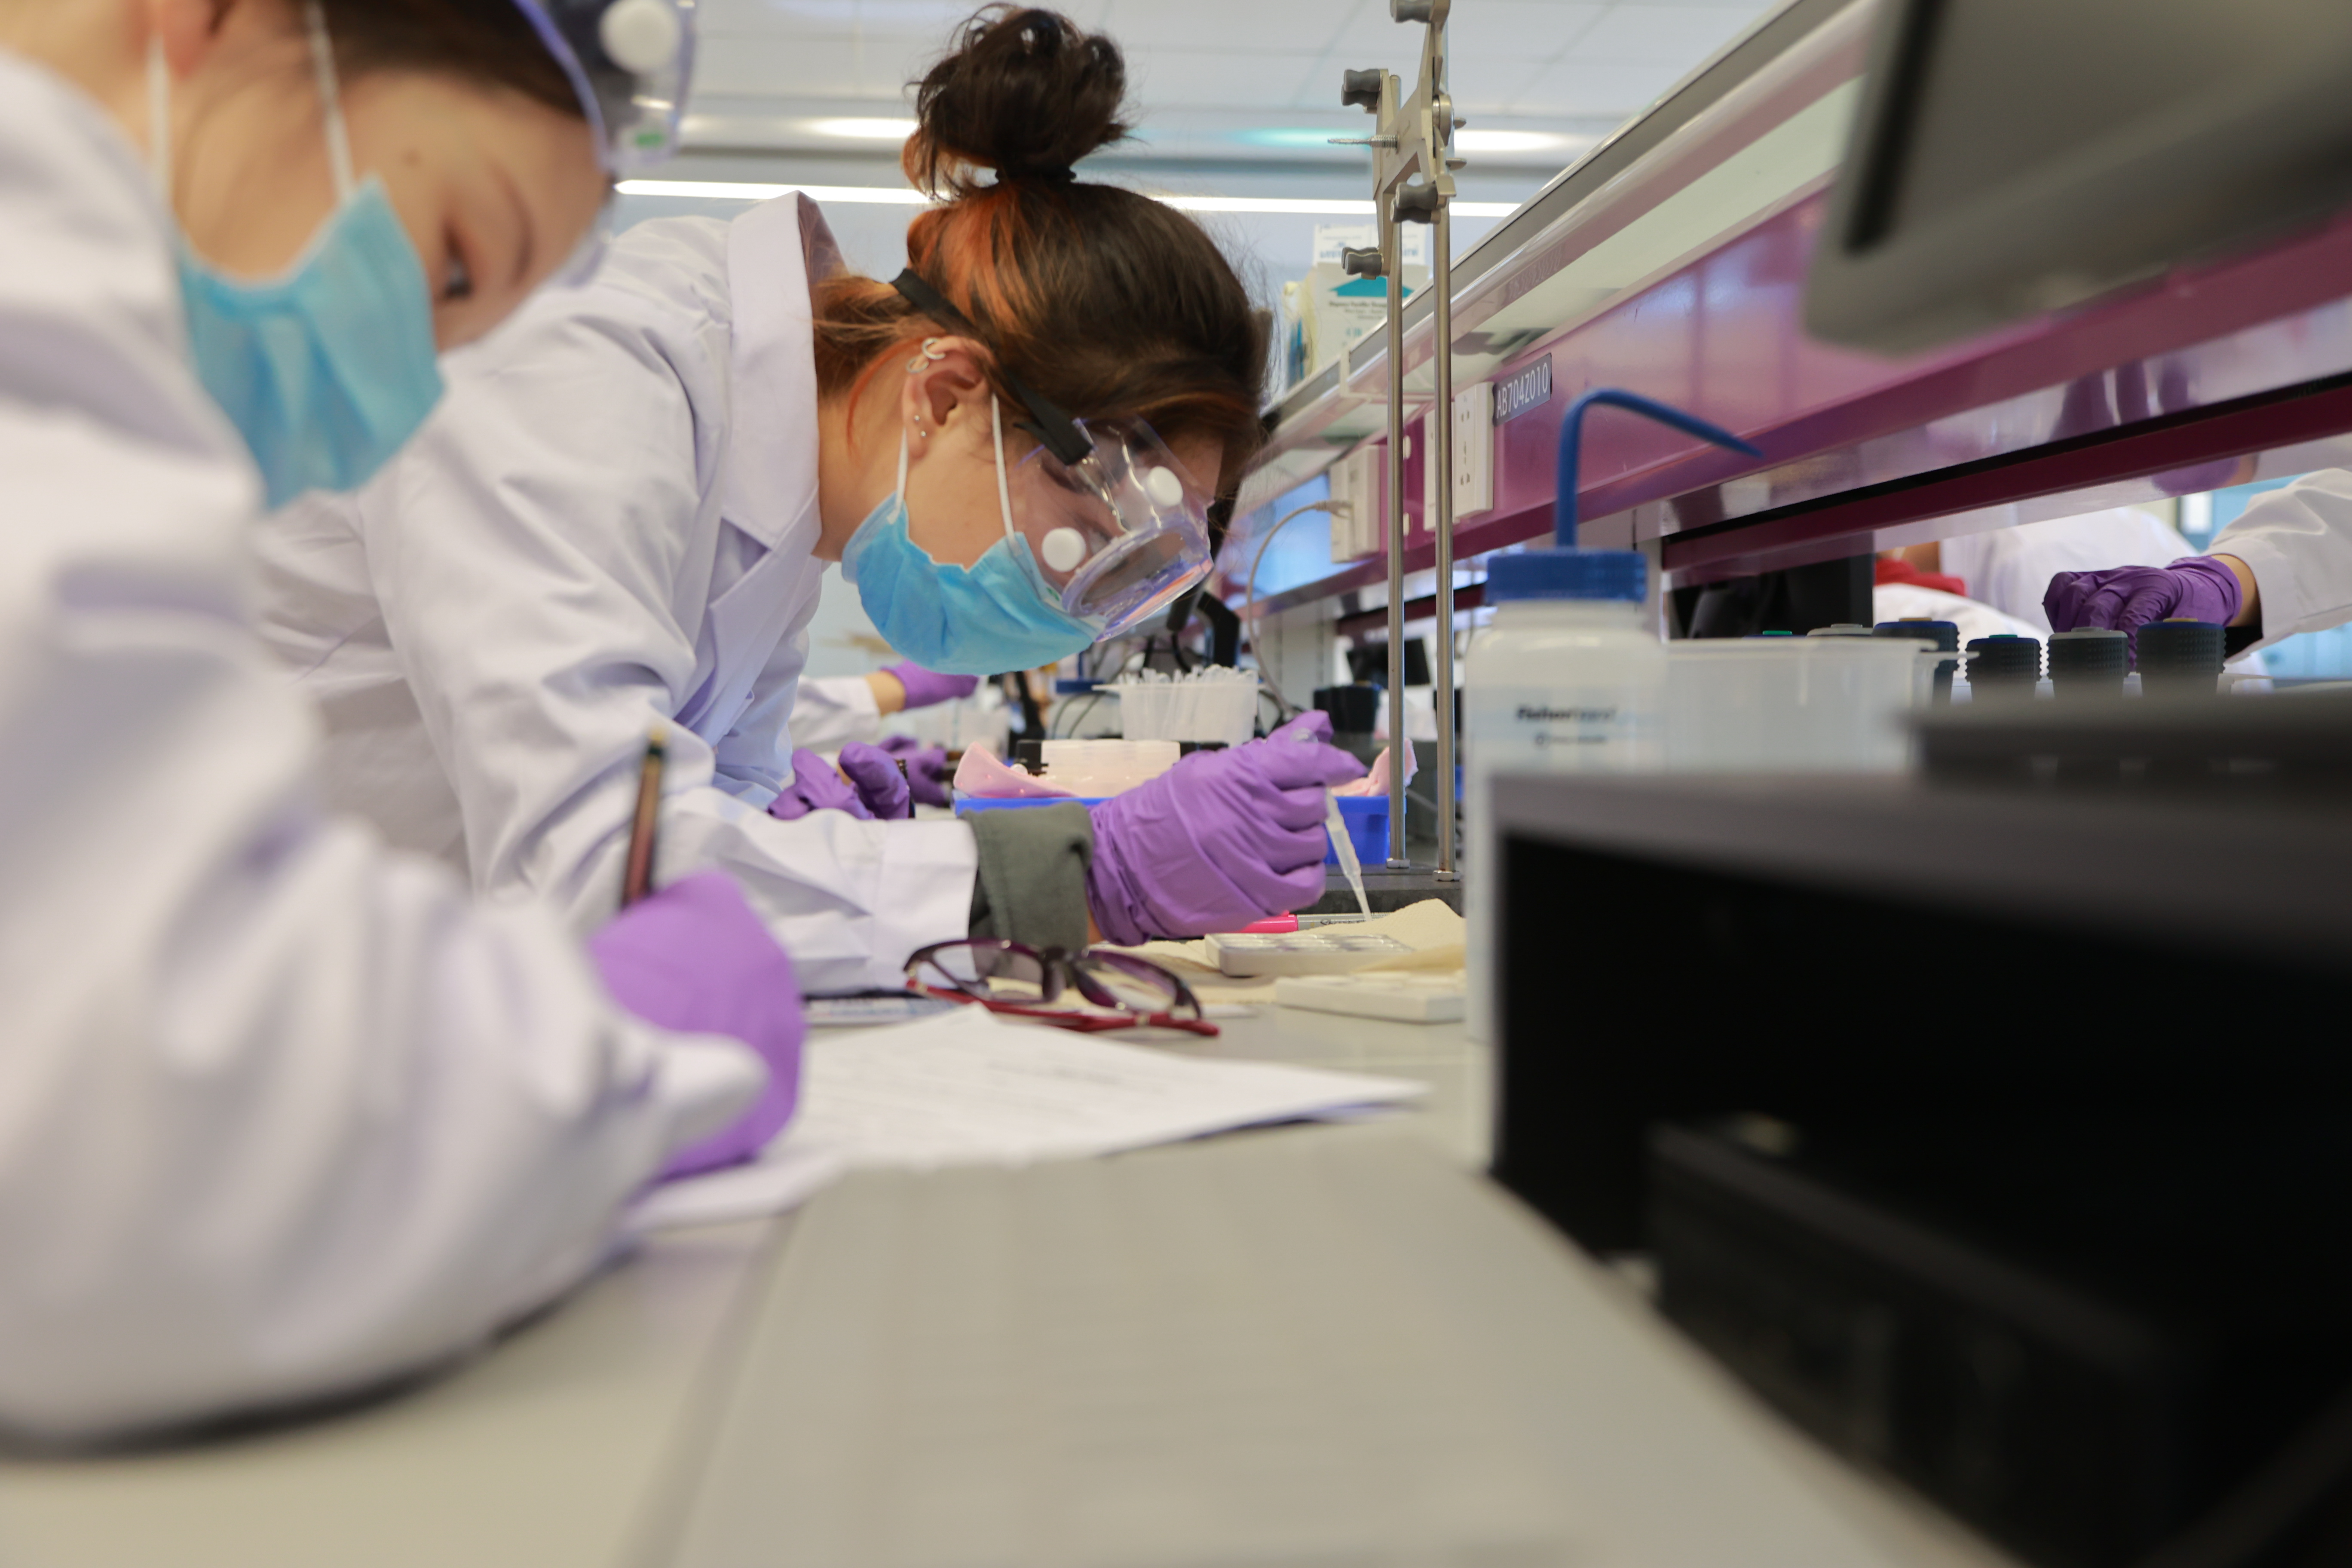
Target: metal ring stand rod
1412,180
1392,245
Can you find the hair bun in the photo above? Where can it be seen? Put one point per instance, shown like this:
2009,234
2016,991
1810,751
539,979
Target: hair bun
1024,92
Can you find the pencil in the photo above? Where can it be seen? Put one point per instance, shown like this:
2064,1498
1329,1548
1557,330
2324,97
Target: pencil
637,875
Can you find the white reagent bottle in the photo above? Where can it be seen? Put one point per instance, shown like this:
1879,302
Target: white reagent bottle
1569,679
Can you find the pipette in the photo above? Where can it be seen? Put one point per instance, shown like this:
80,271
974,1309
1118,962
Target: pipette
1337,825
1345,848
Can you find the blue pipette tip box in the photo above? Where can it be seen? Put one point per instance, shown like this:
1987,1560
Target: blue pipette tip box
1366,816
1367,820
965,805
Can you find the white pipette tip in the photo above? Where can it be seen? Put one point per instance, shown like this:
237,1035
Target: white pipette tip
1344,847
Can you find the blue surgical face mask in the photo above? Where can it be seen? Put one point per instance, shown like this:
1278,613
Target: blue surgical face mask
995,614
328,370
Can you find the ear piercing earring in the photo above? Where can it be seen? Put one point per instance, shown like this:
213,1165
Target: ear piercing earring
932,353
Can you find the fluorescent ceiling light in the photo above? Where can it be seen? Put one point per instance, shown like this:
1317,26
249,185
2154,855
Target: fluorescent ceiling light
1296,206
720,191
1474,140
1318,207
865,130
1337,206
1290,136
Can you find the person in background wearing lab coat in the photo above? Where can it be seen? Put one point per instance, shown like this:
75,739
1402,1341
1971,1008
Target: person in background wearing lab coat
623,515
1908,587
2011,569
2283,567
282,1113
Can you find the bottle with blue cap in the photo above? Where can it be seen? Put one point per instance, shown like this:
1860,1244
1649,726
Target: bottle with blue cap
1570,678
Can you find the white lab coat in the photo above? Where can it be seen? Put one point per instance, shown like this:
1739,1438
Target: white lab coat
2298,543
1917,602
608,526
280,1112
2011,568
828,714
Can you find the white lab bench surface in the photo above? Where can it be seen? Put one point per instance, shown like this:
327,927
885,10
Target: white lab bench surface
559,1445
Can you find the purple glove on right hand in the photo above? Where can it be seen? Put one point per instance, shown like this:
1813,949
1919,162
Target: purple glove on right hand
2125,598
817,786
925,688
694,958
880,785
1221,839
927,768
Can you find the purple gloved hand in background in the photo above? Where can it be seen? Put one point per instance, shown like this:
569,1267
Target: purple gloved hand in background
925,688
927,768
880,786
2125,598
1221,839
817,786
694,958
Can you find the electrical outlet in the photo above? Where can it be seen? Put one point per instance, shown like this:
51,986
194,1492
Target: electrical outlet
1356,484
1343,510
1473,450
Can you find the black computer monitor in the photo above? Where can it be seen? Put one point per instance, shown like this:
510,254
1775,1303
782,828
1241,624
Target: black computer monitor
2015,156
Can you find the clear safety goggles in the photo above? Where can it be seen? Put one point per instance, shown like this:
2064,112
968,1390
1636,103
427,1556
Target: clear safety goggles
1115,526
630,61
1119,533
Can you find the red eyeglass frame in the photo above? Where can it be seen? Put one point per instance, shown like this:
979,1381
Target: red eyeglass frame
1059,966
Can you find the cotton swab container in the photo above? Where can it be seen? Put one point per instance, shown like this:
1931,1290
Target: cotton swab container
1216,705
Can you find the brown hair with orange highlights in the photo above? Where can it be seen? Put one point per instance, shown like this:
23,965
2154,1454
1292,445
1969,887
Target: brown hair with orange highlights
1110,303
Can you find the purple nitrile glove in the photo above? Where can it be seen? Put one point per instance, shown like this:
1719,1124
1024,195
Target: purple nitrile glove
817,786
880,785
1221,839
2125,598
694,958
927,768
927,687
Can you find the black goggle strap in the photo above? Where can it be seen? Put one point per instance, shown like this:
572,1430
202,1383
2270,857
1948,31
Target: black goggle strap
1056,430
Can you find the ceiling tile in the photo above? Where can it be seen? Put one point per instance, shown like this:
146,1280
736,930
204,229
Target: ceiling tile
1201,78
1245,64
1490,86
748,67
1576,87
894,60
934,19
1532,29
765,16
1235,28
1364,24
1682,36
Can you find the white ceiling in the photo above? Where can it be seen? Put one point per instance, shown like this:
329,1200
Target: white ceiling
1220,83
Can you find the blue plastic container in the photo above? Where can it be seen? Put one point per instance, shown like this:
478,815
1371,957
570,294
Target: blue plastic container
967,804
1367,816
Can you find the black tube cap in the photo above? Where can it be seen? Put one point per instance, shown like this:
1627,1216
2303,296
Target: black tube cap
2004,664
2181,657
2091,662
1945,634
